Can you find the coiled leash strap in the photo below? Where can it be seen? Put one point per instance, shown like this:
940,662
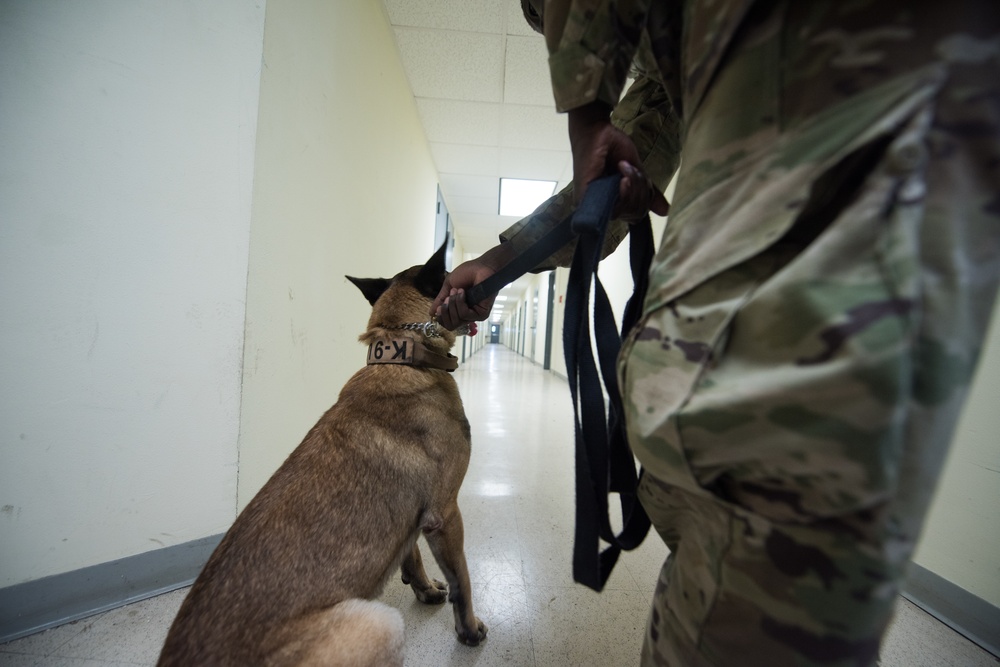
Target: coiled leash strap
604,461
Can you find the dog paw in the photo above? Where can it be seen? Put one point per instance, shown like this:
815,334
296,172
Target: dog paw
472,638
435,593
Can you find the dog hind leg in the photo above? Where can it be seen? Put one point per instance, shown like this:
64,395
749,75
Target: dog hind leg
352,633
427,590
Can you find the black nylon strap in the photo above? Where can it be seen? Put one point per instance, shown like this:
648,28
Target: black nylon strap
604,461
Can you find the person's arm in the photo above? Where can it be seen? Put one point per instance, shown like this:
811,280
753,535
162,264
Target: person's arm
646,115
590,57
450,307
591,46
599,149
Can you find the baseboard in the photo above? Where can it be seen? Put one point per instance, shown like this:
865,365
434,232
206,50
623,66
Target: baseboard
965,613
45,603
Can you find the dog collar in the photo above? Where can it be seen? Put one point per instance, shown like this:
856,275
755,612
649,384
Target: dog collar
409,352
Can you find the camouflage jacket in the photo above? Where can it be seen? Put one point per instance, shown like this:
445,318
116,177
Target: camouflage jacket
767,100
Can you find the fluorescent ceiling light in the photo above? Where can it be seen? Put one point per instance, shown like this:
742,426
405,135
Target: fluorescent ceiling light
520,196
501,297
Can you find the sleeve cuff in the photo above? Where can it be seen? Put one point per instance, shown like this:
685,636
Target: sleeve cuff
580,77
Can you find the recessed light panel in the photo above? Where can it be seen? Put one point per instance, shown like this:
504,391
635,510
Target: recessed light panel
519,196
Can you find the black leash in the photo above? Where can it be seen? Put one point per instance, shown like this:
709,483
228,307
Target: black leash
604,462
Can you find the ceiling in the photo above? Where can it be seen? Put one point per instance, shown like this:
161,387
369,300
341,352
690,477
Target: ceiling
480,81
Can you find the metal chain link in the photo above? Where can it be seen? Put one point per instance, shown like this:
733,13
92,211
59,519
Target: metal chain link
429,329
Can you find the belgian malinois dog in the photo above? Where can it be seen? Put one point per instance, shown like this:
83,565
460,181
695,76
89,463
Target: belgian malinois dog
293,581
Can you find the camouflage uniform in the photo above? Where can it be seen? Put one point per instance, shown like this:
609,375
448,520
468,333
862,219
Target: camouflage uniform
816,307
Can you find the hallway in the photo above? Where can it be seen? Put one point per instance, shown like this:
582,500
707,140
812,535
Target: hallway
517,502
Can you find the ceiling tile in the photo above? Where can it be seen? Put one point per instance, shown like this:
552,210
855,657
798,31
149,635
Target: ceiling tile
452,65
485,229
468,15
526,72
480,205
533,127
481,232
527,163
457,122
466,185
516,23
464,158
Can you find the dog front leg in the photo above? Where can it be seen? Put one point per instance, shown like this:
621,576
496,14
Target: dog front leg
427,590
447,544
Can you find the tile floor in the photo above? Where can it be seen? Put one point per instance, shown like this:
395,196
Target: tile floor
518,507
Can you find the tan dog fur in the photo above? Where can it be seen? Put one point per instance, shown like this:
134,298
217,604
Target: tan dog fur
292,582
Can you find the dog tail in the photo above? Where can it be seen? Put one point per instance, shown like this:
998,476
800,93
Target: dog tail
362,633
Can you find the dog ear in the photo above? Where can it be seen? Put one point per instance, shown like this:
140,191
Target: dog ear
372,288
431,276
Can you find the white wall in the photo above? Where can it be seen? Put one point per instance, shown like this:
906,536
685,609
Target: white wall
539,317
558,360
345,184
126,158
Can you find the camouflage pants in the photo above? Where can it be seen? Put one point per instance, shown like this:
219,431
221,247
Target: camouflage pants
792,412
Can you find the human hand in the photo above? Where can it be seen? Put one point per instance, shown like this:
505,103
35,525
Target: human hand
449,306
598,149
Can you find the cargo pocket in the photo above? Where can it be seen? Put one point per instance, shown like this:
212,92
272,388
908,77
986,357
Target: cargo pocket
668,355
801,416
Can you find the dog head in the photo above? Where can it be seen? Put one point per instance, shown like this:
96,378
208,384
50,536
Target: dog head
406,299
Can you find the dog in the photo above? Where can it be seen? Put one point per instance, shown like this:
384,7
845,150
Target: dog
293,580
